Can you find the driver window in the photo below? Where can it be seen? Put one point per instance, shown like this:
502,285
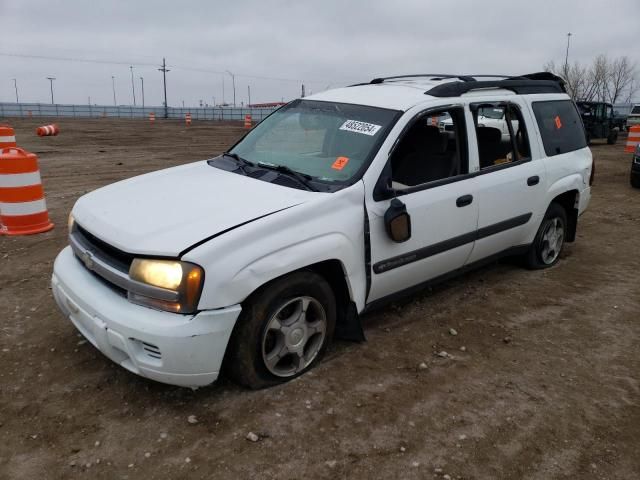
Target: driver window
433,148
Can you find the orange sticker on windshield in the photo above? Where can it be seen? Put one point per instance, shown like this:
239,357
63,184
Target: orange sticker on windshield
558,122
340,163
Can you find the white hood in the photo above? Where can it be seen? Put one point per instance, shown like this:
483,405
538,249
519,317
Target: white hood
165,212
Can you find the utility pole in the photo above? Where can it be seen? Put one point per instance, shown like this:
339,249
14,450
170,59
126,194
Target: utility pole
302,91
233,78
133,87
223,88
249,93
566,58
51,79
142,82
113,86
164,79
15,85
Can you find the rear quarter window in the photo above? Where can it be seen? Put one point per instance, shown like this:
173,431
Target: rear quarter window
560,126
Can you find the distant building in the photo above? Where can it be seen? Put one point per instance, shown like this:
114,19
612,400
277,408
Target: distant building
266,105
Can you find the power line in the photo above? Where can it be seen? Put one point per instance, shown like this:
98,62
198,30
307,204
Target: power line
174,66
69,59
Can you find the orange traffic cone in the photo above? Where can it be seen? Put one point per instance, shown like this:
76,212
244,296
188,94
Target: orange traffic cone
247,121
48,130
152,117
23,209
7,137
633,138
187,119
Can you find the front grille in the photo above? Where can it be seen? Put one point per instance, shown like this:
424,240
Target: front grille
110,255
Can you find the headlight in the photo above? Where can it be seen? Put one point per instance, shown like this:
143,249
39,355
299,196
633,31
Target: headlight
183,279
70,222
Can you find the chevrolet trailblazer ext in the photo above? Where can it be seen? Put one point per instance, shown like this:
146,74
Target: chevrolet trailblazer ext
334,204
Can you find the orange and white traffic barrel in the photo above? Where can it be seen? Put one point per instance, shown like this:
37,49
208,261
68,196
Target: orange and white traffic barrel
633,138
187,119
247,121
23,209
152,117
48,130
7,137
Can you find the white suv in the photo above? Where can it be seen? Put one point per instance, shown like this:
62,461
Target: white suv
332,206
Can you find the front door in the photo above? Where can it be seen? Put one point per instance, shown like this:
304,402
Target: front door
428,172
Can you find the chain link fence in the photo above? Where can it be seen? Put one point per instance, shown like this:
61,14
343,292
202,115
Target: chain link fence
125,111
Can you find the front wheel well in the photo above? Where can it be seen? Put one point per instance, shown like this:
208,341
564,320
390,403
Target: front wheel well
348,325
570,202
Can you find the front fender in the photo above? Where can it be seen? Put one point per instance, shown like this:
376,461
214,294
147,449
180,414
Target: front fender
303,254
329,227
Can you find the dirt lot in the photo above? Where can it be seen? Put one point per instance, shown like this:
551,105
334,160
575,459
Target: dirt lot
547,386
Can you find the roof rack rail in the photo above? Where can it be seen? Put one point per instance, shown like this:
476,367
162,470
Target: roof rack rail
540,82
438,76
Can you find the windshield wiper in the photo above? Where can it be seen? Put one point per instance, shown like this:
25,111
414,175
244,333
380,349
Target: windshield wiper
302,178
242,162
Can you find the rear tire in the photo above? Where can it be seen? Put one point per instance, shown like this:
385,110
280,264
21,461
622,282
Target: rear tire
612,138
548,242
282,332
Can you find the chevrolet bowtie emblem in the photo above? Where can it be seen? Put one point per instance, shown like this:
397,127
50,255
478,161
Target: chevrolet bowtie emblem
87,259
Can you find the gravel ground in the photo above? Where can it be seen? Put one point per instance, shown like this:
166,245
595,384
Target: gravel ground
542,379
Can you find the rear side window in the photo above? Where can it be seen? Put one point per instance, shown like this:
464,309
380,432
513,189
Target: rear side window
636,110
560,126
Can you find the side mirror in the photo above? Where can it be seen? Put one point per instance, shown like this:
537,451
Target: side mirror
397,221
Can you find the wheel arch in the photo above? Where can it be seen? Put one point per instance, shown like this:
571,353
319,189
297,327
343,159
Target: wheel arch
570,201
333,270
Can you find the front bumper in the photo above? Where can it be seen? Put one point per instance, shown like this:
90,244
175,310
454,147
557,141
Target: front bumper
184,350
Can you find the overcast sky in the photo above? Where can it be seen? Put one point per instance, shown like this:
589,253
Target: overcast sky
274,46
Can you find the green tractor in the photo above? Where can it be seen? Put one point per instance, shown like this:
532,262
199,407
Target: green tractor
599,121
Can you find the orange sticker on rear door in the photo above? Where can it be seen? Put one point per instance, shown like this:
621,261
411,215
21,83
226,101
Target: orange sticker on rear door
558,122
340,163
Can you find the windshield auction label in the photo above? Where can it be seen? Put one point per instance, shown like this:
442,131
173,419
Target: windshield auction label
360,127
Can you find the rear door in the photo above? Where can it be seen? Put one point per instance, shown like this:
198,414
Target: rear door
510,185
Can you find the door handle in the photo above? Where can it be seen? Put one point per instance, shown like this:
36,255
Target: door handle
464,200
531,181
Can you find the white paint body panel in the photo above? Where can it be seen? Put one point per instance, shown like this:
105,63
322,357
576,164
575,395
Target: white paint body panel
245,233
162,213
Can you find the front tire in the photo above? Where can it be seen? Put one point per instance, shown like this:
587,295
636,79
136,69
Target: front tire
283,330
635,180
548,243
612,138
